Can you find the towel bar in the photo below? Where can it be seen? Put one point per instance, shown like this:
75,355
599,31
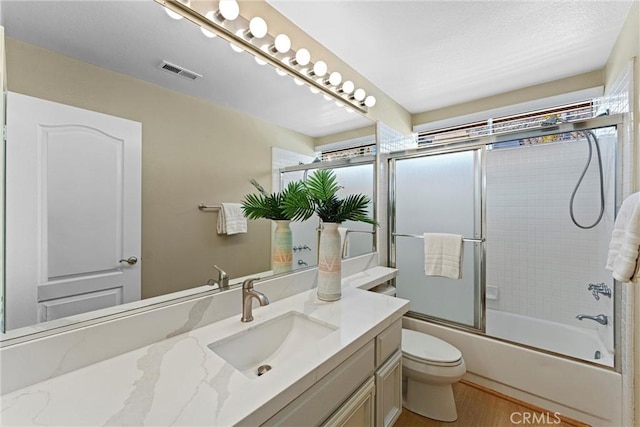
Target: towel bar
419,236
202,207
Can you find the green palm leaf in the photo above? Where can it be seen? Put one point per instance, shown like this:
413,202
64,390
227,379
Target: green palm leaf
320,196
322,185
270,206
354,208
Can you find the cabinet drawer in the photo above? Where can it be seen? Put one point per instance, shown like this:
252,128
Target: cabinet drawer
313,406
388,341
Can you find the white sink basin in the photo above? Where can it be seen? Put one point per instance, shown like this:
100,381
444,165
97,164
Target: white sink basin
271,342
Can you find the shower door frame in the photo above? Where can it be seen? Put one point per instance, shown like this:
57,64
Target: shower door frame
479,227
619,121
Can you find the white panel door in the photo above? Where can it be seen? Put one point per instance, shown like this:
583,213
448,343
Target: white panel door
73,208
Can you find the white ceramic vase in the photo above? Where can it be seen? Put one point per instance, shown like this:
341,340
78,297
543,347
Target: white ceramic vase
282,251
329,263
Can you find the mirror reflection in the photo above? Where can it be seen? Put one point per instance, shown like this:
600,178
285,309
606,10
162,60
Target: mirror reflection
109,156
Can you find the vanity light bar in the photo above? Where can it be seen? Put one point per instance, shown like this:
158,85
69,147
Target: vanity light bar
230,31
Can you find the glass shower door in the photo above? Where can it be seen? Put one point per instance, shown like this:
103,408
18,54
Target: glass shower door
438,193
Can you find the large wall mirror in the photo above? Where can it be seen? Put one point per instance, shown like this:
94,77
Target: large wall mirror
201,141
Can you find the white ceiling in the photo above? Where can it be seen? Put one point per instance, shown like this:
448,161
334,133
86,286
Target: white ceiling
424,54
432,54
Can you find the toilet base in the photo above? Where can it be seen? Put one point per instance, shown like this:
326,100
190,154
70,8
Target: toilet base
430,400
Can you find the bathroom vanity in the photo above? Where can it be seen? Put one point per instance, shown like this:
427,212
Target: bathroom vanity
340,363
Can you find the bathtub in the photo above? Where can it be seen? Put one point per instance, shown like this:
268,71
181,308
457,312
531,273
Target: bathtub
581,343
587,392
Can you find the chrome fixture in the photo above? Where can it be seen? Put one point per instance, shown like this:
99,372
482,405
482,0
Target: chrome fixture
598,289
249,293
301,262
131,260
203,206
420,236
600,318
223,278
301,248
224,19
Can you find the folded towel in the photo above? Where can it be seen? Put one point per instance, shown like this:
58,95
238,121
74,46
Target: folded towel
344,238
443,255
231,220
623,258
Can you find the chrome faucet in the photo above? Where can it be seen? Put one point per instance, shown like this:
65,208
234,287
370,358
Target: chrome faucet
598,289
223,278
248,293
600,318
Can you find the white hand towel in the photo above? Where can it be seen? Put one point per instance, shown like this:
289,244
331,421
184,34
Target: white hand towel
231,219
624,249
443,255
344,238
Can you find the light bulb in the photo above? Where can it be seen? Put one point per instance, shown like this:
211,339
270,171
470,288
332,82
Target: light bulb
339,104
349,110
229,9
172,14
335,78
347,87
282,43
257,28
359,94
320,68
259,61
264,48
327,97
280,72
303,57
314,90
370,101
298,81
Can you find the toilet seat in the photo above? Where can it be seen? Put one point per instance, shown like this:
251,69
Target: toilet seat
428,349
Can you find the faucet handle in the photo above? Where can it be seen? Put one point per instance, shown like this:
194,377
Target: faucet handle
221,273
248,283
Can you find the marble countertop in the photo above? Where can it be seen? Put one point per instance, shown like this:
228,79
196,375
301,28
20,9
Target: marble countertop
180,381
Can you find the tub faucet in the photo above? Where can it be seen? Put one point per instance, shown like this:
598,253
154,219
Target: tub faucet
599,288
248,293
600,318
223,278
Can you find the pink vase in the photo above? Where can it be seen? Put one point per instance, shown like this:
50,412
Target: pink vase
329,263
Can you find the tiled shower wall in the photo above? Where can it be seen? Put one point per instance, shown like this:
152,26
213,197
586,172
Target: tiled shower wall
538,259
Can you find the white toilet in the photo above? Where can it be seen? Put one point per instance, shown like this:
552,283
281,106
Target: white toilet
430,366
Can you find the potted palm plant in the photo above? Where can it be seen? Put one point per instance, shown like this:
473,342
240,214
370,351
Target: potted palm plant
271,206
320,197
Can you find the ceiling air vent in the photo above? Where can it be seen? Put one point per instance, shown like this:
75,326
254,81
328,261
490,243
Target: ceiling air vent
178,71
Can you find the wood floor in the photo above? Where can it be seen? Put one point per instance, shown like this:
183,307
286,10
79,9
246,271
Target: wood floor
480,408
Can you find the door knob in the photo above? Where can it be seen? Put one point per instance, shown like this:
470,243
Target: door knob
131,260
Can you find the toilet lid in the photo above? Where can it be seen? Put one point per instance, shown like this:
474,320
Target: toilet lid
425,347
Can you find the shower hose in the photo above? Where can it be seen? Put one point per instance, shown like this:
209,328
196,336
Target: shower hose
591,140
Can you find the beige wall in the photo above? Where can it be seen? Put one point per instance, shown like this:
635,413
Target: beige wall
192,152
345,136
531,93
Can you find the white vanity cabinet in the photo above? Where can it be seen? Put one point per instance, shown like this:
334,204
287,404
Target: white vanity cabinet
365,390
388,376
